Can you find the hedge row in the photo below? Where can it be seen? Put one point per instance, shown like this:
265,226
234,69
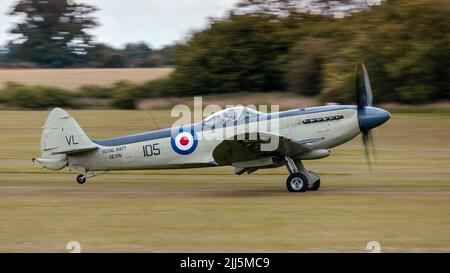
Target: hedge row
120,95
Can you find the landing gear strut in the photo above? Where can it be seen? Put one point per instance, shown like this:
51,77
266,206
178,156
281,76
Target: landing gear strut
81,179
300,180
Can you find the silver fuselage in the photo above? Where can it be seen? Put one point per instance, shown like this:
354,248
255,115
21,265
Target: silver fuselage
153,150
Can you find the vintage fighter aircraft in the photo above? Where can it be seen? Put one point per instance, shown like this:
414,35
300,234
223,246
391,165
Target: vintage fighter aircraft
303,134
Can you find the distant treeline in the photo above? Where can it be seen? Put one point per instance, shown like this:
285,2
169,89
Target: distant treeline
99,56
270,45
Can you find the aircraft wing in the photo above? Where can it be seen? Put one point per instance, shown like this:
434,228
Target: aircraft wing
252,150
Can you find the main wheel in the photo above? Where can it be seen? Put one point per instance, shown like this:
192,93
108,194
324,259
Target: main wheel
81,179
297,182
315,186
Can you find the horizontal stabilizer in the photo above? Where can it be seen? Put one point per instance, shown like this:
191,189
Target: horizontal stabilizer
76,150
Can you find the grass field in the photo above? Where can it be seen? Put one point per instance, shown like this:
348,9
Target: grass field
404,203
74,78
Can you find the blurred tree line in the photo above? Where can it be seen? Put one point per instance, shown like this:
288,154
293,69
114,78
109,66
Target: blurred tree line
307,47
53,34
131,55
266,45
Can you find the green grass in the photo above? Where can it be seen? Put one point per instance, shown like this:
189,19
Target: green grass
403,202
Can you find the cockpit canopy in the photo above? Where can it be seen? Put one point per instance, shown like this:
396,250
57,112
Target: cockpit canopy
238,114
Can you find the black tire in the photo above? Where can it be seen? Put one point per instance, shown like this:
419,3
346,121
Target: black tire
81,179
297,182
315,186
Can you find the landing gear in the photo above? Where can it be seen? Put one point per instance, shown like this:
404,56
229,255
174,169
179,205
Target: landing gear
297,182
315,186
300,180
81,179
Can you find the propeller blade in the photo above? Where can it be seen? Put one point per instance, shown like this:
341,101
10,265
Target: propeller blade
372,146
363,89
368,117
367,144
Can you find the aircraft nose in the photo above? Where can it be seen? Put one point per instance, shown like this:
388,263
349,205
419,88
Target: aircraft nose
371,117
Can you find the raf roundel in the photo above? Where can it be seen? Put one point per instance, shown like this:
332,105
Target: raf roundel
184,142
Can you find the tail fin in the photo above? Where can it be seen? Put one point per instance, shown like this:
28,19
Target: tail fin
62,136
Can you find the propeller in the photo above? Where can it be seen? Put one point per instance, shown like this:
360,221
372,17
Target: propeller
368,117
363,89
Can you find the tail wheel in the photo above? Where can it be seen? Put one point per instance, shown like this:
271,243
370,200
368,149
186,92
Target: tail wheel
81,179
297,182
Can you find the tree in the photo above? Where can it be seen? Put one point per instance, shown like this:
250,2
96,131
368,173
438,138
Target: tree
167,54
304,70
237,54
53,33
406,47
136,53
155,60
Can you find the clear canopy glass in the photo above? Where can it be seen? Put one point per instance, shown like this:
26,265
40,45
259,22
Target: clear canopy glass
238,113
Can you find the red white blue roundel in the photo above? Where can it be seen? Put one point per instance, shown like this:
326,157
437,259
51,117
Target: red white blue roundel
184,141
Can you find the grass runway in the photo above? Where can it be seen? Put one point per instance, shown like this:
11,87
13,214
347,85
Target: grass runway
403,203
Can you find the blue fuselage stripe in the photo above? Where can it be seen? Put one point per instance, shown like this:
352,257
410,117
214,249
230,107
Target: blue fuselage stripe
164,133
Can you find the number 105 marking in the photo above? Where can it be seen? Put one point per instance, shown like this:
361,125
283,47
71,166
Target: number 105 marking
151,150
